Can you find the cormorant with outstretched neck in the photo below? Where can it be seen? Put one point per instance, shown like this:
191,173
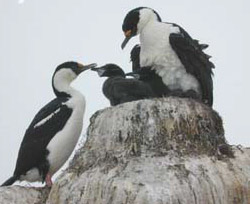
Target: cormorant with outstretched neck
54,132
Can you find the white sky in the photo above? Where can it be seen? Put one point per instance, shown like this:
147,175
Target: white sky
20,1
38,35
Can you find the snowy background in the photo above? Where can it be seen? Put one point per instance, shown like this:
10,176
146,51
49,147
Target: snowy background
38,35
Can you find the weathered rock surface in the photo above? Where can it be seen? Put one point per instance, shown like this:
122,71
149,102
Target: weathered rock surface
19,194
150,152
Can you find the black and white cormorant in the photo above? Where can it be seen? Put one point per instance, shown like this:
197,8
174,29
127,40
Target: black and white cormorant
169,50
146,74
118,89
54,132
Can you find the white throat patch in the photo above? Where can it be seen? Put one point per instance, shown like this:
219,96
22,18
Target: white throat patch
63,78
146,15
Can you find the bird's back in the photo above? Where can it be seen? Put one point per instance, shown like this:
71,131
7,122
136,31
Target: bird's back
119,90
177,58
47,122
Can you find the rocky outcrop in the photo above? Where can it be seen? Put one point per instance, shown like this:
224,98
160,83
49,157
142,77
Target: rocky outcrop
155,151
27,195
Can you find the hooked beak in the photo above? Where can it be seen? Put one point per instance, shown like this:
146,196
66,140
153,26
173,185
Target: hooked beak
128,36
99,70
86,67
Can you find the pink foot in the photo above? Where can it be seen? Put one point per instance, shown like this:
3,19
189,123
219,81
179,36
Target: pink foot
48,180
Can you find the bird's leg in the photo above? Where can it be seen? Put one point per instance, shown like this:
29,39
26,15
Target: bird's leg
48,180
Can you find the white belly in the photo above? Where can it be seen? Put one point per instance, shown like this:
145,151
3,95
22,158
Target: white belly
158,53
64,142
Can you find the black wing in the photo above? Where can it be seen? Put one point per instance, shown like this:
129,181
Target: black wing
120,90
135,57
196,62
147,75
48,121
133,87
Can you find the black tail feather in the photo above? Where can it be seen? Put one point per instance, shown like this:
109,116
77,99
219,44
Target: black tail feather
10,181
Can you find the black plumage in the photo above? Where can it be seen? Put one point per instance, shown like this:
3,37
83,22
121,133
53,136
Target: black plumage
146,74
135,58
50,120
197,81
33,152
118,89
195,61
10,181
37,138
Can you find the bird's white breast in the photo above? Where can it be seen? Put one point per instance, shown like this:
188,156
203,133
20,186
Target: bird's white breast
157,52
64,142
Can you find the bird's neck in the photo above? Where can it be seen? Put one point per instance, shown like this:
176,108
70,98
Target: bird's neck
155,47
153,33
62,88
147,17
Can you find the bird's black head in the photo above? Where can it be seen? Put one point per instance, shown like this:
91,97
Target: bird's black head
135,20
109,70
65,73
76,67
